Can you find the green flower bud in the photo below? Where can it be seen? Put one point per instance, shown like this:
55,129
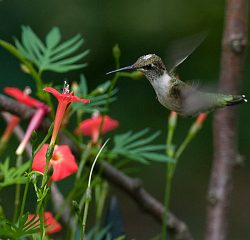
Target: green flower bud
116,51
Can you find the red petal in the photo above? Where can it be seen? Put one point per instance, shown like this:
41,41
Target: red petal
65,97
201,118
109,124
77,99
63,167
53,91
90,125
22,97
52,225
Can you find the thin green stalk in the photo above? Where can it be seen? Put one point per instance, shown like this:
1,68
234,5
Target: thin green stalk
49,155
85,213
170,153
166,205
3,145
84,158
39,85
40,206
18,191
183,146
26,187
181,149
79,114
24,197
88,194
172,166
34,152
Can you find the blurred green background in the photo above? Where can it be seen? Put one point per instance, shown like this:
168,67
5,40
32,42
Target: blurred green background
141,27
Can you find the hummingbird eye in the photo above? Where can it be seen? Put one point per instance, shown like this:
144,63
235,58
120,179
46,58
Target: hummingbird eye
148,67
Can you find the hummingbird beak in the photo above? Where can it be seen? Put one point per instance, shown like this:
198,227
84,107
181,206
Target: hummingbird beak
122,69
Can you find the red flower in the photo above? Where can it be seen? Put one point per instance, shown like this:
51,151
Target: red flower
42,110
64,99
91,127
52,226
22,97
12,123
62,160
197,125
201,118
33,125
172,120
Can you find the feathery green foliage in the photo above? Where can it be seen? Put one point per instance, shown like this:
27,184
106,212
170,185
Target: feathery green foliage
51,55
22,228
137,147
12,175
98,97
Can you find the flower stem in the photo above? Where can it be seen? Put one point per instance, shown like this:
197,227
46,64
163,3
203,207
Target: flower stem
34,152
85,213
166,204
24,196
172,121
18,190
171,152
43,188
88,193
2,146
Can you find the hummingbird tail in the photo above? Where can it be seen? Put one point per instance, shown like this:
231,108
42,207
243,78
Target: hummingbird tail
236,99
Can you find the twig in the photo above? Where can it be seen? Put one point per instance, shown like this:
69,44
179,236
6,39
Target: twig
225,121
132,187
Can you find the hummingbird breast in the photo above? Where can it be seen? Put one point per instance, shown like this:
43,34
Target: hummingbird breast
168,96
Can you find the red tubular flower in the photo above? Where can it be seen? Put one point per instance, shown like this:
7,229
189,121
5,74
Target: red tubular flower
52,226
33,125
62,160
91,127
12,123
42,110
22,97
172,119
201,118
64,99
198,123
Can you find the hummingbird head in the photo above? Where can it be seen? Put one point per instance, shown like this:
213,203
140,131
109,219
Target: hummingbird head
151,65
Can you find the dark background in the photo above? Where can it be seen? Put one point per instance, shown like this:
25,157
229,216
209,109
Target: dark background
142,27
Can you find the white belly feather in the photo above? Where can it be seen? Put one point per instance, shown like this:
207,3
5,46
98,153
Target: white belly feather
161,87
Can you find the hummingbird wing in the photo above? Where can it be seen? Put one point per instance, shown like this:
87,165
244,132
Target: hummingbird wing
195,101
179,50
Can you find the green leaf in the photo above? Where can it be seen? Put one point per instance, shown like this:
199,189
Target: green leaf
53,55
99,97
12,175
138,147
22,228
53,37
83,87
10,48
63,53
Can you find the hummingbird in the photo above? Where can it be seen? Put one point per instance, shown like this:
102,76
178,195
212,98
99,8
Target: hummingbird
175,94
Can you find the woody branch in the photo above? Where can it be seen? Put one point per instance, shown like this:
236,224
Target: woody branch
133,187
